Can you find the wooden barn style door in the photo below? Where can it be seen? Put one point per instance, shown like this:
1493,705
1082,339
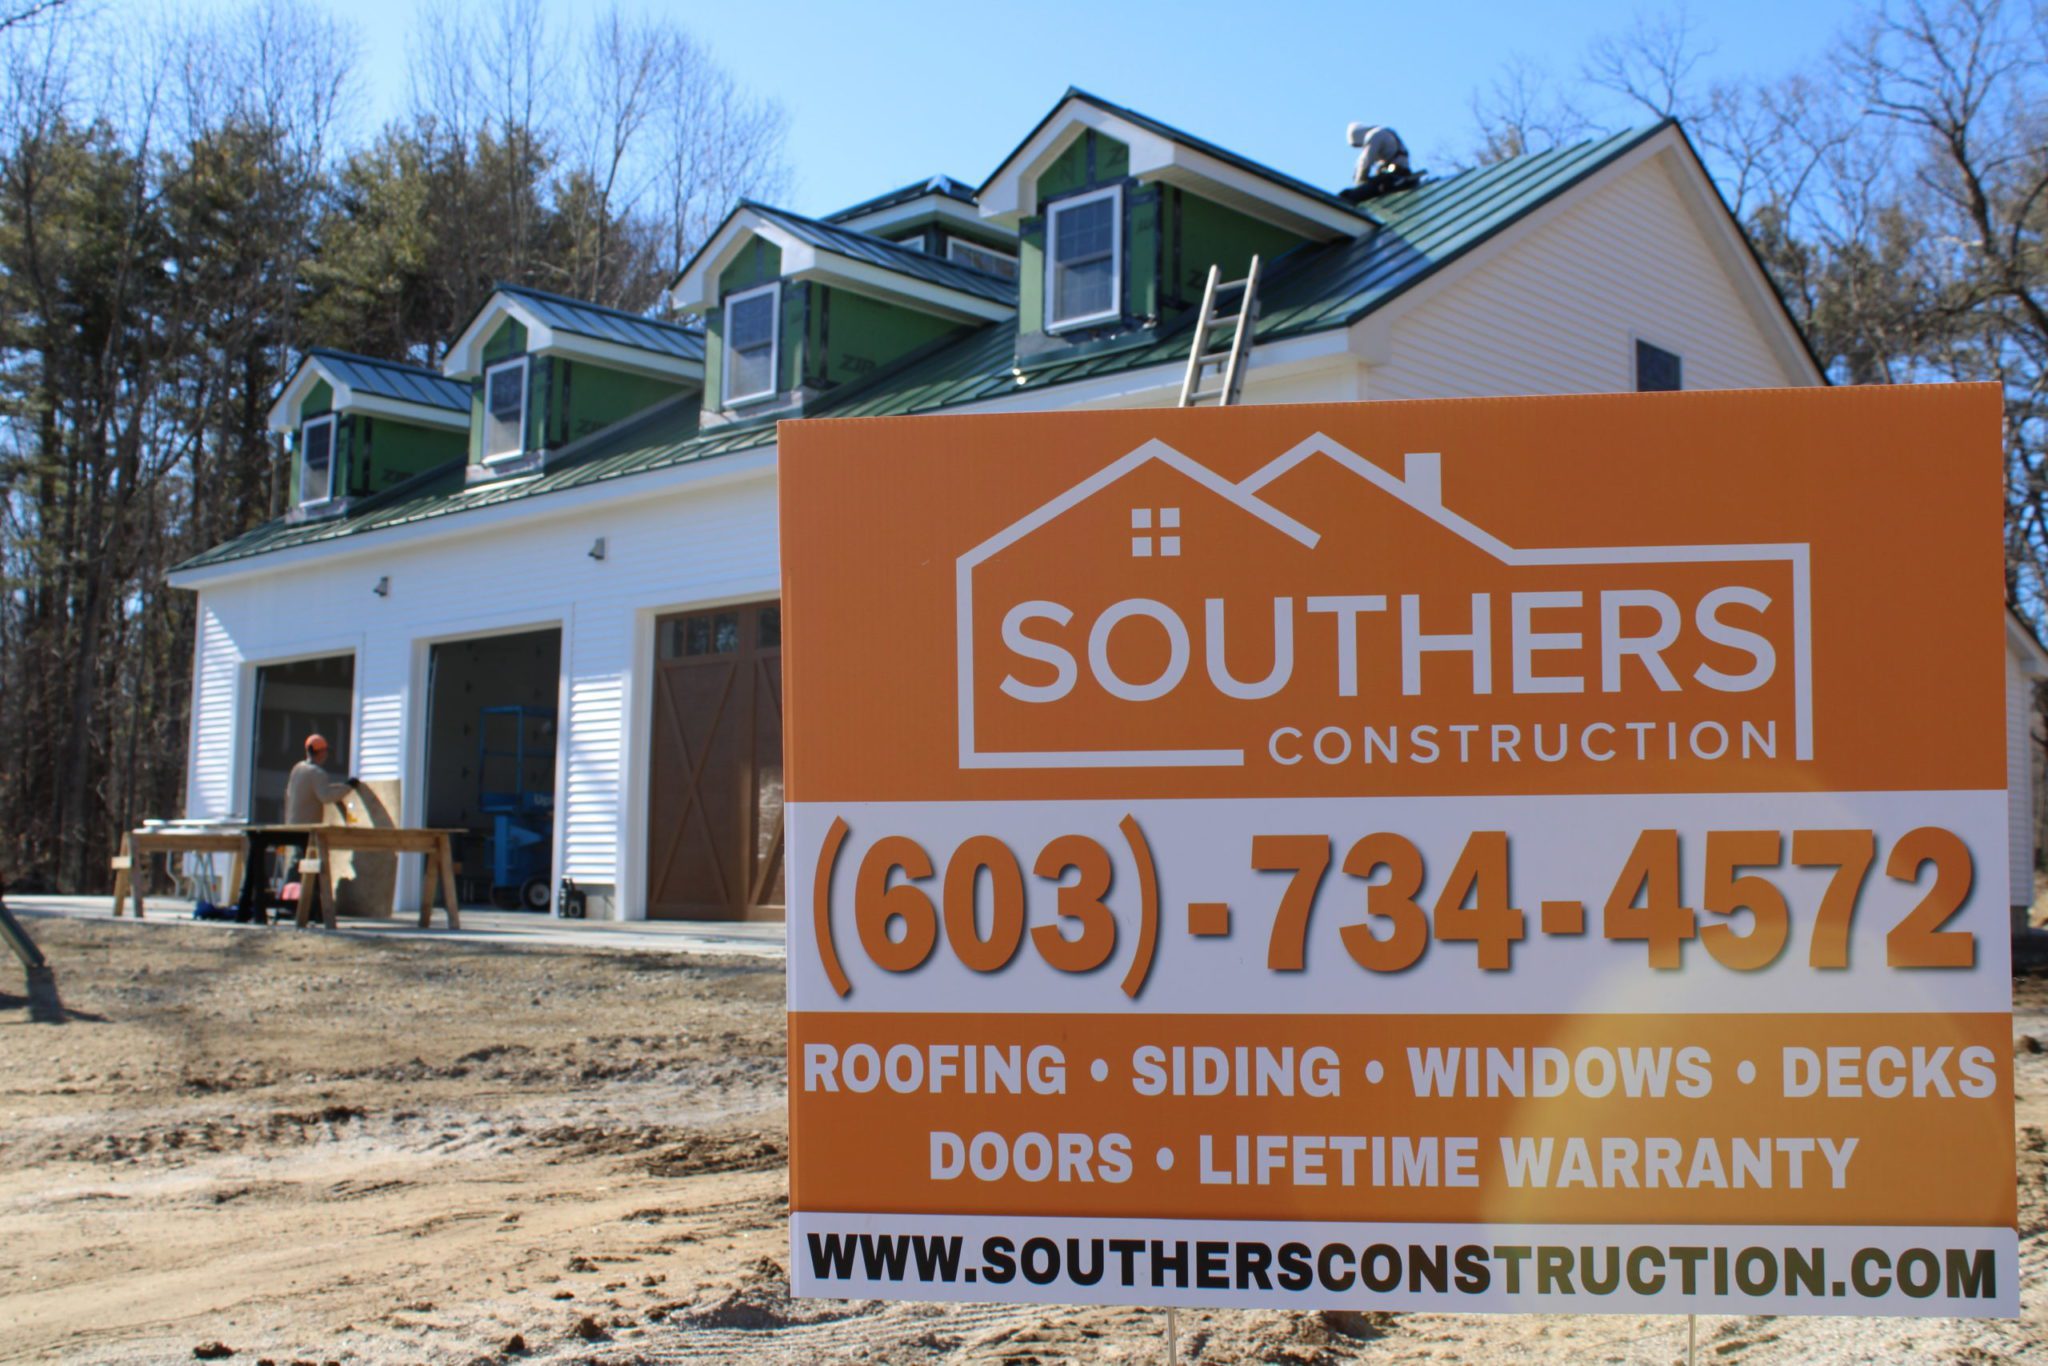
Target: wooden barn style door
715,783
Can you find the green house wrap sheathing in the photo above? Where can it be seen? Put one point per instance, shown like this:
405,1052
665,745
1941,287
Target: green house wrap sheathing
1313,288
827,336
1171,236
565,399
384,452
371,454
759,263
579,398
318,400
1092,161
849,336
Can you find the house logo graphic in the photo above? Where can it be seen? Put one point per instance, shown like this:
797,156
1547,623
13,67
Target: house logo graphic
1158,549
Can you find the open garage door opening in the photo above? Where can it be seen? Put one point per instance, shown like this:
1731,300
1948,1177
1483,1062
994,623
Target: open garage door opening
304,697
491,704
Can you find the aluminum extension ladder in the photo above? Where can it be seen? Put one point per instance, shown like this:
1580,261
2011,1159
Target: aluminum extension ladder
1206,353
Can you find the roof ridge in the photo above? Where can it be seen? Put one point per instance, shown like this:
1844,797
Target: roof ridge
373,360
910,255
904,194
512,287
1181,135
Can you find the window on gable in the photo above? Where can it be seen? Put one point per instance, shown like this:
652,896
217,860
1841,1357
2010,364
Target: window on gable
750,343
1657,370
316,460
1083,259
978,257
505,410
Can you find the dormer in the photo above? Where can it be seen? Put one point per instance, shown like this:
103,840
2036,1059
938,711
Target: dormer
357,425
795,307
1119,218
544,371
937,217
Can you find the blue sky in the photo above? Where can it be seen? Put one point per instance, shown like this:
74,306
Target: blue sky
880,93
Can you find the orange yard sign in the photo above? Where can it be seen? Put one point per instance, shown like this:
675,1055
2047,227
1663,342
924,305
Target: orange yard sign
1521,854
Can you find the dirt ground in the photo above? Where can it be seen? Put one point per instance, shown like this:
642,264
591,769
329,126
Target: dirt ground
298,1148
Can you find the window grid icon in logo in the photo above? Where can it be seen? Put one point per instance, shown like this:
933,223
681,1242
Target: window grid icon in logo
1145,520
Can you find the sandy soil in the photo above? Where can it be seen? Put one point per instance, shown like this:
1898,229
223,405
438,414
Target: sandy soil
311,1149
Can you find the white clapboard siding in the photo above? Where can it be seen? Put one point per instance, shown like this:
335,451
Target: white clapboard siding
1559,308
210,774
669,549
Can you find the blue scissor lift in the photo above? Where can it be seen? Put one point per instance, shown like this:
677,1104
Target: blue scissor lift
515,766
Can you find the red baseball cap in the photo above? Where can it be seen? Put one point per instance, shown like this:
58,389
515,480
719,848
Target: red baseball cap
315,743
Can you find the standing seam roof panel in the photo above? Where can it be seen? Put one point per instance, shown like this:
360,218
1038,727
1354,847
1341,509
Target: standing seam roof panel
606,324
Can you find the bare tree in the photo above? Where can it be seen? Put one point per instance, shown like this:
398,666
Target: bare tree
22,16
1966,83
1651,63
716,144
1522,110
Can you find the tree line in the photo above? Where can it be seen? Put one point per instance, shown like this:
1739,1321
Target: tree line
184,205
185,202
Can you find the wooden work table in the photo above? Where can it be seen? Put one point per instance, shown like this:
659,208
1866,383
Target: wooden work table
131,865
323,842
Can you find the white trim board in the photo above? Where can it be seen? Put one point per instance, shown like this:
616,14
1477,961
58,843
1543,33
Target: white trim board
1011,193
696,289
465,355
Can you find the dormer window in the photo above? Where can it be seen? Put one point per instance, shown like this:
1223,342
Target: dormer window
505,410
316,460
1084,259
987,260
750,352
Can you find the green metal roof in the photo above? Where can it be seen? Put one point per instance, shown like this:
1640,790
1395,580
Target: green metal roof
664,435
1185,139
586,319
943,185
390,379
919,265
1314,288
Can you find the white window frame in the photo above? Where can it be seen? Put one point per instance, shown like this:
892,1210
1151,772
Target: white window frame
1116,258
326,419
774,290
1010,256
499,457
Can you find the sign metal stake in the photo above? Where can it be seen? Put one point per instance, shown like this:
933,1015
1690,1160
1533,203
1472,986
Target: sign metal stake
1692,1324
1172,1340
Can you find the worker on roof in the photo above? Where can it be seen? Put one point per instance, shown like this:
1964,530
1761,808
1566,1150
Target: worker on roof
307,792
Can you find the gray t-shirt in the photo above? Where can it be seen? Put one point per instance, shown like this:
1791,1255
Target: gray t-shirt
307,791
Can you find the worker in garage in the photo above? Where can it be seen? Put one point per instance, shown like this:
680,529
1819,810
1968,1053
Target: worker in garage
307,793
